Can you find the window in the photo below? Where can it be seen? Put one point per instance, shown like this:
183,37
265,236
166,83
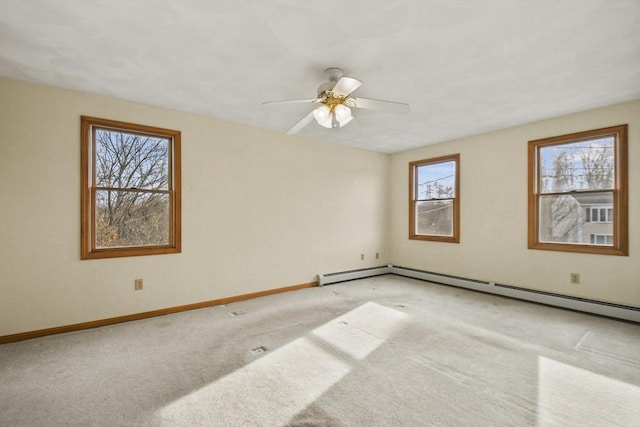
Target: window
130,189
601,239
434,202
578,192
600,214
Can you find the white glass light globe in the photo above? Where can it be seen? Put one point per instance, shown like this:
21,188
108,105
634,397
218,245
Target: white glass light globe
321,113
342,112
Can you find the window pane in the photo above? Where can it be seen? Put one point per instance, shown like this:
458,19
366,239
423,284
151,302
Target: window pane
131,218
127,160
436,181
435,218
586,165
562,218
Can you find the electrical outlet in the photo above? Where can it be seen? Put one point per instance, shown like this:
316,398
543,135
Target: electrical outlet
361,257
138,285
377,255
575,278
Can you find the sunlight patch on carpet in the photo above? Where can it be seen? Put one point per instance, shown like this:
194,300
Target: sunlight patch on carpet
273,389
362,330
568,395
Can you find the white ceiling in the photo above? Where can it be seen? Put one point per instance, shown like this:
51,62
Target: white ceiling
466,67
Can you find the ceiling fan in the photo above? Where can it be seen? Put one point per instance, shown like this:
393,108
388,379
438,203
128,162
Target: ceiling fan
336,102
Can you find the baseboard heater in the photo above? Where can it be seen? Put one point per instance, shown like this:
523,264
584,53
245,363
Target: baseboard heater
617,311
343,276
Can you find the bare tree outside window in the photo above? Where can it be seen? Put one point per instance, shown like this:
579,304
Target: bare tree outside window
132,203
131,174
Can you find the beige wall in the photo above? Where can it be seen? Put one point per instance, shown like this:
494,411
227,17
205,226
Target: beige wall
493,245
260,211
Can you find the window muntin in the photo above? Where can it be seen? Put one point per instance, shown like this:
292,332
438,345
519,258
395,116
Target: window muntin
434,199
578,189
130,189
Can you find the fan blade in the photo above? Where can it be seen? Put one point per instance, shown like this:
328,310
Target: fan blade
346,85
302,123
293,101
377,104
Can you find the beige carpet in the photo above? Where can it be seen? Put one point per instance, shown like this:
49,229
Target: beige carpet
385,351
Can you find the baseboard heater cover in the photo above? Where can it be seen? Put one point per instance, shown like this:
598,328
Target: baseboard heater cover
445,279
343,276
617,311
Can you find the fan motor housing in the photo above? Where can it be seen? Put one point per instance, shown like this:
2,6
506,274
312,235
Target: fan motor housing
324,88
333,74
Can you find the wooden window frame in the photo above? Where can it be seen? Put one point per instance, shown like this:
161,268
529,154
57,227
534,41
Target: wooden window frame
88,249
620,192
413,235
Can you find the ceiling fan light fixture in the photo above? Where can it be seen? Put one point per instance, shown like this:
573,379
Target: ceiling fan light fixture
345,121
322,114
335,102
342,112
328,122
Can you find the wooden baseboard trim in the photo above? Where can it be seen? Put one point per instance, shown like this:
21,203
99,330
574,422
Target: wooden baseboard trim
22,336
